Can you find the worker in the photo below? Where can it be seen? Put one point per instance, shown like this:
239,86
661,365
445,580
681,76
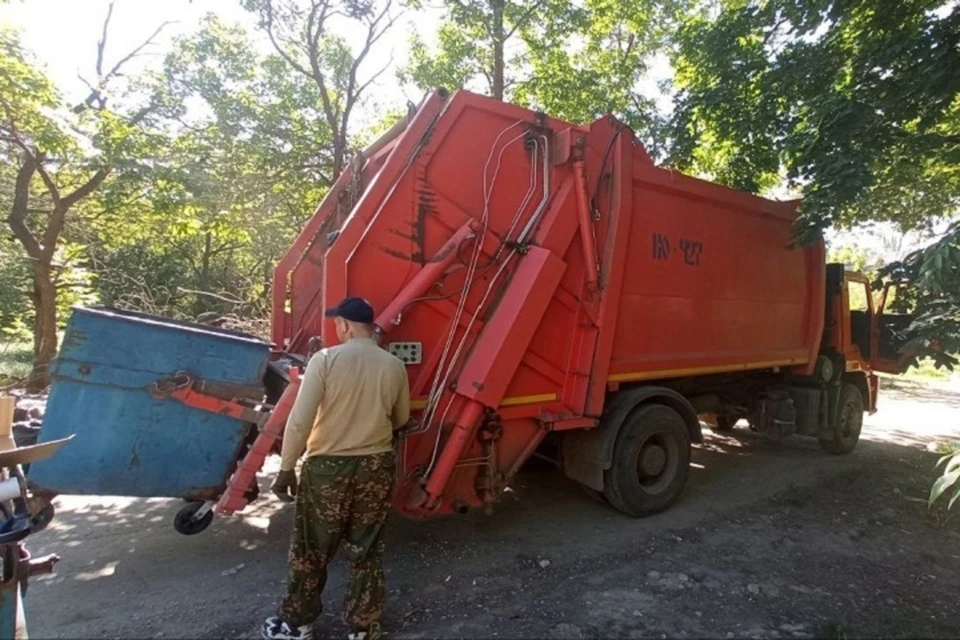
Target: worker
352,399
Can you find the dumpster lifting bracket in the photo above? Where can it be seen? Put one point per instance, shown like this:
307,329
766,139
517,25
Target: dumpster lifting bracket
219,398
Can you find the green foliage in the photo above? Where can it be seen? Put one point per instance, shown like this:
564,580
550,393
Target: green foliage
854,257
15,309
932,278
225,194
573,60
16,356
856,103
308,36
950,479
27,99
221,155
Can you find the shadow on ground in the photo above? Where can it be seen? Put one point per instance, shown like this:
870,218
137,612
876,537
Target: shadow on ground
771,539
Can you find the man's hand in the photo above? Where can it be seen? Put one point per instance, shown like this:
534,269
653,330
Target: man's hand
285,485
401,432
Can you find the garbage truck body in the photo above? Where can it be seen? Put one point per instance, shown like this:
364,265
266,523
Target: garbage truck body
549,286
552,290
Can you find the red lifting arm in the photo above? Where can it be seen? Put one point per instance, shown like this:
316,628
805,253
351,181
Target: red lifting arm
586,225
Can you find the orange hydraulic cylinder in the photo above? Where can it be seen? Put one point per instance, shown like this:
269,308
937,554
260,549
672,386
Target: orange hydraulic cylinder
586,227
235,498
422,282
460,437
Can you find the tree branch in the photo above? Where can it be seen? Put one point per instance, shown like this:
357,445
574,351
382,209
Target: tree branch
526,15
116,68
96,92
268,24
211,295
102,43
224,249
373,78
18,211
87,188
374,33
52,188
315,27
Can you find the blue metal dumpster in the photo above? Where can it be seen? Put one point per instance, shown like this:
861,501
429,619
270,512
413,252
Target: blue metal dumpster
132,440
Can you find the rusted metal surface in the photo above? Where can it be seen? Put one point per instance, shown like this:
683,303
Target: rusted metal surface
133,437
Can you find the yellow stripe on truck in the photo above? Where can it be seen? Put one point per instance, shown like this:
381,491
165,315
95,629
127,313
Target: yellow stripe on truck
507,402
673,373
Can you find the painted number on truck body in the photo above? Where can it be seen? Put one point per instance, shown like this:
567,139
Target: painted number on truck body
690,250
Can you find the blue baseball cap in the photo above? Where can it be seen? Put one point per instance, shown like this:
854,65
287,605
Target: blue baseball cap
353,309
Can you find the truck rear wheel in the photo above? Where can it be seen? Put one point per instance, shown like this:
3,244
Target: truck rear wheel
849,422
651,460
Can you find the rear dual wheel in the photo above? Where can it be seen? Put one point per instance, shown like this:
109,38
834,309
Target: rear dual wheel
651,460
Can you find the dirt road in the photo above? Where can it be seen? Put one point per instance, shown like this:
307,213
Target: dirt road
771,539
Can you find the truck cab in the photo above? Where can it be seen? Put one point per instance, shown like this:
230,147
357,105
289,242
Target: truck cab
862,325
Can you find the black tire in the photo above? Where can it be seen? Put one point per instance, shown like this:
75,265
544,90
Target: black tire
185,523
725,423
651,461
849,422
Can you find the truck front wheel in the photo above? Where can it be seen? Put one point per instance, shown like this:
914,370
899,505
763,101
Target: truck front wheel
651,460
849,422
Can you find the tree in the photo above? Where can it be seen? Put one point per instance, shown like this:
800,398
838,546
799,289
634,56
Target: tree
573,60
473,43
62,158
305,34
853,102
246,155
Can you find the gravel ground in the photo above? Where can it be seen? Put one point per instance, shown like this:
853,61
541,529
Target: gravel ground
772,539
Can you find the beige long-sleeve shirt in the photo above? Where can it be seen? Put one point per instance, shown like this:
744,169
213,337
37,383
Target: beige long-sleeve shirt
352,396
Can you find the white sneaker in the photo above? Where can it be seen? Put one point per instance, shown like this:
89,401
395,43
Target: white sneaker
372,633
276,629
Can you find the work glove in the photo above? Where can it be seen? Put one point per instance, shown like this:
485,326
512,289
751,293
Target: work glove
285,485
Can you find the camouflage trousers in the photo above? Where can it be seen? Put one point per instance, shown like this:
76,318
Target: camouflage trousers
342,502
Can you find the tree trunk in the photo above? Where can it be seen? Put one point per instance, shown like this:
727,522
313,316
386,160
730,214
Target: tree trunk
339,156
45,329
200,303
41,251
498,42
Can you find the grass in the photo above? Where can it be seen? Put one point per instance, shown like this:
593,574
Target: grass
927,371
16,358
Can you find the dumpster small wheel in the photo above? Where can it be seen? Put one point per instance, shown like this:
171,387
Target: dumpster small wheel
44,517
187,522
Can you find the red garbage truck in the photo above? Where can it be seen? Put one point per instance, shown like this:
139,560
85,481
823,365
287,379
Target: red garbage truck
548,284
550,288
